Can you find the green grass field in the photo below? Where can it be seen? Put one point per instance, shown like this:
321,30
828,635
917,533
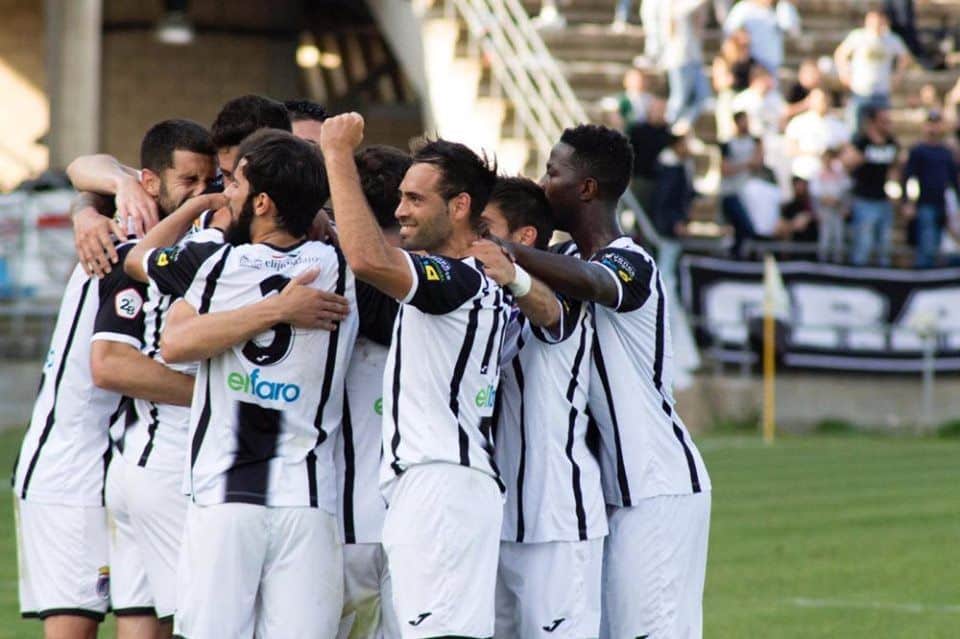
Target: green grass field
824,536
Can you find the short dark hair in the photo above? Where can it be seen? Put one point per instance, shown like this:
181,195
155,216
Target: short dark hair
604,154
242,116
523,203
291,172
461,170
381,169
305,110
163,138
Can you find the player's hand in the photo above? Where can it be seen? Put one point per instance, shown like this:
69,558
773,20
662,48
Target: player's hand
94,242
342,132
307,307
496,263
135,208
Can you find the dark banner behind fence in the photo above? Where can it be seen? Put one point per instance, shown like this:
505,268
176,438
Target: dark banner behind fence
846,318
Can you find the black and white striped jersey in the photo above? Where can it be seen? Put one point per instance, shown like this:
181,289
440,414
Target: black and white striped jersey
646,450
552,479
66,449
263,412
157,436
443,369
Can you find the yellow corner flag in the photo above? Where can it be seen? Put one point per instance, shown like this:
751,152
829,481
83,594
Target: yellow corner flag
776,304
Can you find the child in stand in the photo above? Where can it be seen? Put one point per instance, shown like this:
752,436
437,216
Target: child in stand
830,189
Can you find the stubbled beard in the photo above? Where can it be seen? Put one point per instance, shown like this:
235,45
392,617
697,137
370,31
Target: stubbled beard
239,231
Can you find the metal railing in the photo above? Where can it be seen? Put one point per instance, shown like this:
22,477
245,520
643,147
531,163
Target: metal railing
524,70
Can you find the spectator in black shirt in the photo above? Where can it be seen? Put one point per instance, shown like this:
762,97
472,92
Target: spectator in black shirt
648,138
797,220
870,158
674,192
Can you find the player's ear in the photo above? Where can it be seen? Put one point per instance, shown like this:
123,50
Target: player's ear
262,204
460,207
527,235
589,189
150,182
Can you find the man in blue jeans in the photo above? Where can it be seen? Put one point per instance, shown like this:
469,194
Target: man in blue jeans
931,163
869,158
681,24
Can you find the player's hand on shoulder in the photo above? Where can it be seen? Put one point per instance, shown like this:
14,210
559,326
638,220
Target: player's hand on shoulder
93,236
496,263
136,209
306,307
342,132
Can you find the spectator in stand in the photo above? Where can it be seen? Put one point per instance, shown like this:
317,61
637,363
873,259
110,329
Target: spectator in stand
682,23
674,191
933,167
903,22
871,159
650,18
830,194
767,21
797,220
811,133
648,139
809,78
735,50
762,103
742,157
549,16
634,102
870,61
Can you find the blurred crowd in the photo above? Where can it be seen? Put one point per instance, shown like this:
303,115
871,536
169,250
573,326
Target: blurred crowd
812,163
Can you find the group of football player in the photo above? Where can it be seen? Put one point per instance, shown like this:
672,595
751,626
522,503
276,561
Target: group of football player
300,387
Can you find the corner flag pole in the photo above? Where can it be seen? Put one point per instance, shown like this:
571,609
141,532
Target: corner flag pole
775,302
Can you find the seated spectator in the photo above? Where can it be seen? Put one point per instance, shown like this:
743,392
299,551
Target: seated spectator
735,51
761,200
723,82
797,220
830,194
635,100
933,167
811,133
871,62
871,159
742,157
674,191
648,138
767,21
808,79
762,103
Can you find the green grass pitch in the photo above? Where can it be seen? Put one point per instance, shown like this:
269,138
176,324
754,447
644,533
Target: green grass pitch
824,536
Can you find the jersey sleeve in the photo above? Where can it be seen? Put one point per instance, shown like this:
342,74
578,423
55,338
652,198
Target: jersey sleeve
377,313
632,274
440,284
569,316
174,268
120,315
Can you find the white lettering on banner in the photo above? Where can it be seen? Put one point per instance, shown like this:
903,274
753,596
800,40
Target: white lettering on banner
728,306
940,307
829,316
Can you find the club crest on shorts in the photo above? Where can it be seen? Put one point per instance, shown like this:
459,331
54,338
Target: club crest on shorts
103,582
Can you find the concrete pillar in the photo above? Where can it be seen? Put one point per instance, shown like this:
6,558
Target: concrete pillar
74,42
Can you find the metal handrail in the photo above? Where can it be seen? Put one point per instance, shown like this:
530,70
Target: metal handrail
529,75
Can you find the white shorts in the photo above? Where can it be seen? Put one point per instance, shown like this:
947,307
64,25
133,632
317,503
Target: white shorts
62,560
367,605
549,589
148,509
442,538
654,566
245,569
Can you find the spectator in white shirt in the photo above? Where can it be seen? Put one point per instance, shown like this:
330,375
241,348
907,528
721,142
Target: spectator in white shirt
830,193
871,61
681,25
767,21
762,103
811,133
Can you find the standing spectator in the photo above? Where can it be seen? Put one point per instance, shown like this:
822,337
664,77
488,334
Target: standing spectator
871,62
650,18
797,220
635,100
674,191
766,21
762,103
870,158
742,157
932,165
904,23
682,23
830,194
811,133
648,139
809,78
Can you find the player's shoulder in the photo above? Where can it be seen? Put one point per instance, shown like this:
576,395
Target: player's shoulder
568,247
